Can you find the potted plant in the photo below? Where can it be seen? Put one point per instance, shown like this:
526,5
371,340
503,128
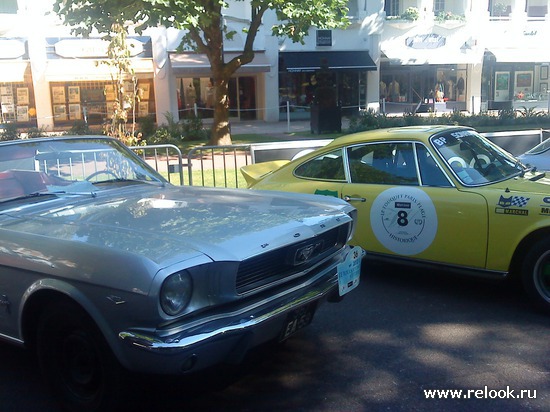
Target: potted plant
405,19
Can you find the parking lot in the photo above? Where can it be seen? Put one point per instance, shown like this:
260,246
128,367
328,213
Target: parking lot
399,334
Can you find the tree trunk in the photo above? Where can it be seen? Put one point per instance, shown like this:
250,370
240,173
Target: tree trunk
221,132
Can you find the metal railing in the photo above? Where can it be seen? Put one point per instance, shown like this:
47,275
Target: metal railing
164,158
219,166
218,163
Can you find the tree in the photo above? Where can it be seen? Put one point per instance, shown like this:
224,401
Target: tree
118,53
205,31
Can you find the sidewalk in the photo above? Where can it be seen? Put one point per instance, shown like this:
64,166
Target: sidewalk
281,130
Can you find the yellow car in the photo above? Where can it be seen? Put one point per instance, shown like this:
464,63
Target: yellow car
437,195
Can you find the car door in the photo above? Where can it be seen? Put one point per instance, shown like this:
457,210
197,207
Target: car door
406,209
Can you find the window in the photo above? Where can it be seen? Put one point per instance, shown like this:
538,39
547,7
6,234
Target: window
500,8
329,166
439,6
430,172
8,6
383,163
352,8
391,7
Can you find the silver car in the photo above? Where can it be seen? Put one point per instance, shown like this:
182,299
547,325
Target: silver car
108,268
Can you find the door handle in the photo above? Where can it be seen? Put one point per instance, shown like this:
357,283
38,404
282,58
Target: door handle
354,199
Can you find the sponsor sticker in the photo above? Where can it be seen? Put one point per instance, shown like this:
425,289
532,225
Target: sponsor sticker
513,205
404,220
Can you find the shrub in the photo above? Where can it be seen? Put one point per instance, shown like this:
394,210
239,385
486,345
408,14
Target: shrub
9,131
410,14
37,132
193,129
79,127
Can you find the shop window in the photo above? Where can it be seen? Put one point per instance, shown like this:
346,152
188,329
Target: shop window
500,8
94,101
8,6
439,6
537,10
17,104
392,7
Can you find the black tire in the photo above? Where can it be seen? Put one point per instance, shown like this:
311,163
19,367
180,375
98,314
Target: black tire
536,274
76,361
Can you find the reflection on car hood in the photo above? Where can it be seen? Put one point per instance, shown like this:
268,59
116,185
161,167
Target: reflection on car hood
167,224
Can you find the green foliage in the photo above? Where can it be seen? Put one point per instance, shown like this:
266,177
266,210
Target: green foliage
369,120
445,16
147,126
193,129
530,112
37,132
9,131
174,132
80,127
201,23
411,13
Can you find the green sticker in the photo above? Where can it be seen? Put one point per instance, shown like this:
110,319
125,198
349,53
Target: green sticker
326,192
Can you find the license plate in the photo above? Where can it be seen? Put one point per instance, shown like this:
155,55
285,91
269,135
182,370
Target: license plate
297,319
349,271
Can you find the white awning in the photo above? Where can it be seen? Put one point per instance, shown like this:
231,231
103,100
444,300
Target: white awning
432,49
521,55
61,70
197,65
13,71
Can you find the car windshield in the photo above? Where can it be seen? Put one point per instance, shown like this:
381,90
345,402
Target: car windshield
474,160
540,148
30,168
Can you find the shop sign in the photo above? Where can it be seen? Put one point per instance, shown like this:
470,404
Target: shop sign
324,37
12,48
88,48
425,41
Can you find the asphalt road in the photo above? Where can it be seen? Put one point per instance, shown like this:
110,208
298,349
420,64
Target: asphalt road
398,334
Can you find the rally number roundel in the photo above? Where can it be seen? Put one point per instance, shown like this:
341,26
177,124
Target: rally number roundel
404,220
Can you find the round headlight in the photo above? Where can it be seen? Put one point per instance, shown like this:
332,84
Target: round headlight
175,293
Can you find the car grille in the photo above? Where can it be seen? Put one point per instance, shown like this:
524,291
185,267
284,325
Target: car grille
281,264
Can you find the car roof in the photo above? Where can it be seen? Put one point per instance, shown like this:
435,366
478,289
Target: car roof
419,133
54,138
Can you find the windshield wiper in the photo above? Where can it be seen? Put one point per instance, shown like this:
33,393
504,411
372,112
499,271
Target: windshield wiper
29,196
121,180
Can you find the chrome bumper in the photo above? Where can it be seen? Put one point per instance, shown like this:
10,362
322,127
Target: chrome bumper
229,335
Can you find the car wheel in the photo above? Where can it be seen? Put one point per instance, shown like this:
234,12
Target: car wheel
76,361
536,274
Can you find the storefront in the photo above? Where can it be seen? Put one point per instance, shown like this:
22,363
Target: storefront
515,67
83,85
298,75
17,101
423,88
195,89
428,71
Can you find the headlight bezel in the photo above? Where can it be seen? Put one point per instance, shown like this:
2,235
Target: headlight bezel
175,293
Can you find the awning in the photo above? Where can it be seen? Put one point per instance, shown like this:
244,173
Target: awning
521,55
333,60
13,71
432,49
197,65
62,70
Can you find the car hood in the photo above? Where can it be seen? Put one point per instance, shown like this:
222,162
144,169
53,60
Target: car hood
169,224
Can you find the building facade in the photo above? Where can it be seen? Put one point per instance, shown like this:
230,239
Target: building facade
395,56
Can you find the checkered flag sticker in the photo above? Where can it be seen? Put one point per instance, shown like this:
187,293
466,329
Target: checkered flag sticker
519,201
